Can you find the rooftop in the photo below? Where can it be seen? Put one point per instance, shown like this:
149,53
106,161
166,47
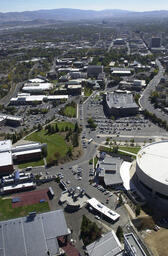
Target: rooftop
134,245
5,153
110,170
32,236
153,161
120,99
108,245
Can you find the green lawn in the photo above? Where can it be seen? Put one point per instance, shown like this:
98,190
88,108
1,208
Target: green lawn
56,144
7,212
134,150
33,164
70,111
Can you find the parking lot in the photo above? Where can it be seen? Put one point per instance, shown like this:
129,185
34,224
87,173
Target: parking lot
133,125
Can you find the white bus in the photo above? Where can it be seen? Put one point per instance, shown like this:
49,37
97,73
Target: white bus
90,141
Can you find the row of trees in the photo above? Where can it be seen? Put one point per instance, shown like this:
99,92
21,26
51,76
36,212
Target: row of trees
156,120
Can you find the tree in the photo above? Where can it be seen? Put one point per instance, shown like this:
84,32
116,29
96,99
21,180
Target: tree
119,233
75,140
76,128
39,127
137,210
69,152
49,128
56,128
115,149
120,201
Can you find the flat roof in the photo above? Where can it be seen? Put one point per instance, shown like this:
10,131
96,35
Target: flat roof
5,153
74,86
33,236
26,146
103,209
120,99
121,72
111,170
26,152
6,117
6,158
36,80
18,186
107,245
5,145
153,161
37,87
134,245
57,97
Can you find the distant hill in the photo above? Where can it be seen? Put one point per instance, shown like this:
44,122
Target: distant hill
75,14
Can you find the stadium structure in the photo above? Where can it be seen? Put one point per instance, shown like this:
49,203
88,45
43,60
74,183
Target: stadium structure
152,173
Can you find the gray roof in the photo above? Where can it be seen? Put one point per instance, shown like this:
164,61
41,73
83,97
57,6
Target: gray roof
120,100
110,164
32,236
134,245
94,68
108,245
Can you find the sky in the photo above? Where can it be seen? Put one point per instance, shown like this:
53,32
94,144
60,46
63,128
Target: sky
133,5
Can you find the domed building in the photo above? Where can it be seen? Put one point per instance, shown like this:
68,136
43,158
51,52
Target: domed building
152,172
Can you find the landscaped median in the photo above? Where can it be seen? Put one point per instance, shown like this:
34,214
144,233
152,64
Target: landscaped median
128,149
121,150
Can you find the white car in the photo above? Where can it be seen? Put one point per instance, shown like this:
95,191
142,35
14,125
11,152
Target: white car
97,217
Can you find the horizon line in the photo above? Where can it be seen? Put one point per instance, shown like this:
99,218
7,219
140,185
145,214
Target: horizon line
97,10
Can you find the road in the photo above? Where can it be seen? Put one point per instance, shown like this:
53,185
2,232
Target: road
144,100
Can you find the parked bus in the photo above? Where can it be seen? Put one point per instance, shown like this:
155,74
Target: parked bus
90,141
51,192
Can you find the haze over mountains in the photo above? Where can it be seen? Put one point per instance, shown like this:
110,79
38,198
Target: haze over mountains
77,14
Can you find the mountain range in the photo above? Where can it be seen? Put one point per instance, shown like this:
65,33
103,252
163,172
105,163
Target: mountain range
76,14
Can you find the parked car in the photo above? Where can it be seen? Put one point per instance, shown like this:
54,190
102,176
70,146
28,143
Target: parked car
97,217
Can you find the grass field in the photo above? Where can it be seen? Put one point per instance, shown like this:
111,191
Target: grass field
56,143
134,150
157,242
7,212
70,111
33,164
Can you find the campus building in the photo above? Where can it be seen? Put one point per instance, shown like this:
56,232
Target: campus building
17,154
155,42
132,247
6,160
108,244
94,71
108,171
120,103
34,234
